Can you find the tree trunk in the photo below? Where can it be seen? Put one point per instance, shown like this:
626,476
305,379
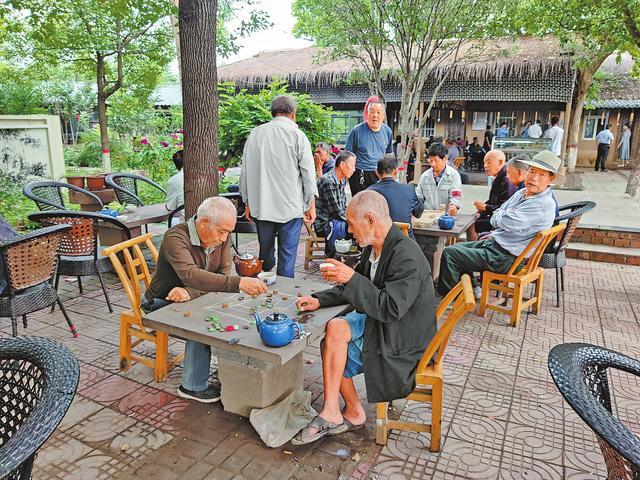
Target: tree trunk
102,114
197,20
584,77
633,186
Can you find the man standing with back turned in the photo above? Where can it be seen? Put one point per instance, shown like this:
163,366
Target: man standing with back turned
278,184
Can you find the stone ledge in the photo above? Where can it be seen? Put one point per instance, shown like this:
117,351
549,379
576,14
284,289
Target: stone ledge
604,253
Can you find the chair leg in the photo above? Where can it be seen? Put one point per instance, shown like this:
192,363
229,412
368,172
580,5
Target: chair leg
562,277
382,430
484,297
57,281
72,327
557,287
162,356
516,306
436,416
104,290
125,345
24,321
14,327
80,284
539,284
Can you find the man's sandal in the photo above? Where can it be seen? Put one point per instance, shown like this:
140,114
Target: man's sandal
345,427
321,428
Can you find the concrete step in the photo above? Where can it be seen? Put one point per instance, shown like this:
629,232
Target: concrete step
603,253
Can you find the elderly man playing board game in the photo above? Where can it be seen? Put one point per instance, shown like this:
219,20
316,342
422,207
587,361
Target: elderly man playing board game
388,328
194,259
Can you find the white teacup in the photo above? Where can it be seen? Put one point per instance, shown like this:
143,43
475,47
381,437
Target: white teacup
267,277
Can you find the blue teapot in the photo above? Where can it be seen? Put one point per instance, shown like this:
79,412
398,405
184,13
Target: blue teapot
277,330
446,222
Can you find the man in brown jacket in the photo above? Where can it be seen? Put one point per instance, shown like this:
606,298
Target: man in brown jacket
195,258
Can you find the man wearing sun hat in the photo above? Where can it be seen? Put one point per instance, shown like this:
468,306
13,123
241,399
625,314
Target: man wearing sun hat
528,211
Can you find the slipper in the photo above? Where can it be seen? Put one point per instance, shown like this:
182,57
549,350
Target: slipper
345,427
322,427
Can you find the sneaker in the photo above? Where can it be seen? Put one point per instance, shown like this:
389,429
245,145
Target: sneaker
210,395
477,292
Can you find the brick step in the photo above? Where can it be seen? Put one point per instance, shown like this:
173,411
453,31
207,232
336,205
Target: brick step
603,253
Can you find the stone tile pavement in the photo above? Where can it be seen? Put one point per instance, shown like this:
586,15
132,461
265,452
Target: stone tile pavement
503,417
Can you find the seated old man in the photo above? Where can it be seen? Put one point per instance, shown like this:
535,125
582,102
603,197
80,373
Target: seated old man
515,223
390,322
501,190
331,204
401,198
441,184
194,259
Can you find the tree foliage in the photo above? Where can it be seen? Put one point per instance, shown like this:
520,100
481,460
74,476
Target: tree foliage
242,111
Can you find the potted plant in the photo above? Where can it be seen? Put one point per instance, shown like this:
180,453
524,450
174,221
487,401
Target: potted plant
76,181
96,182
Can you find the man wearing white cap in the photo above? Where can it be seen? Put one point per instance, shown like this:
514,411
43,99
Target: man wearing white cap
529,211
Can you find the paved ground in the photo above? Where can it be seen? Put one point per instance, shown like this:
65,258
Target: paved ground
503,418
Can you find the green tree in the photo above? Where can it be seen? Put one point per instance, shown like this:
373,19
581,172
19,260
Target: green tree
119,43
406,40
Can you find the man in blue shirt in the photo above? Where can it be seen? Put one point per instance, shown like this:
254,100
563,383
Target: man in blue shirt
604,139
503,131
370,141
401,198
323,159
516,222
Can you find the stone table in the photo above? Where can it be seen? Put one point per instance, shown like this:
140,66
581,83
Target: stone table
111,234
252,375
433,239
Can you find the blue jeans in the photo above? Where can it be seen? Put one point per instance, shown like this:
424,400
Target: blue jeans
288,238
197,356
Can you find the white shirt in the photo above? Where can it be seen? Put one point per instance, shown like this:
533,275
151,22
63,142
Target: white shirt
534,131
278,175
434,195
555,133
175,191
605,136
374,264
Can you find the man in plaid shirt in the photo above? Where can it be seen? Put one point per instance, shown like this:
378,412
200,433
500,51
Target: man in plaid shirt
331,204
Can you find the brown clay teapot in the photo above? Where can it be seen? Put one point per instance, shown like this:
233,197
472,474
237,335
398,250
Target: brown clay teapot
247,265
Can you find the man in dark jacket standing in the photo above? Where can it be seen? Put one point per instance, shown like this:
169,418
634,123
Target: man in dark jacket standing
401,198
390,323
501,190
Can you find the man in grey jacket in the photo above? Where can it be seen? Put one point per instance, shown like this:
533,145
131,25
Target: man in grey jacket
390,321
278,184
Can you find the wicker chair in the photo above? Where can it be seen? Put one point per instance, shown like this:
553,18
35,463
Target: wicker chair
48,195
79,247
134,271
31,262
174,214
522,273
580,373
39,378
555,256
429,374
126,187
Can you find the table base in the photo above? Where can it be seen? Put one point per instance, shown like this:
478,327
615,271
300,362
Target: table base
432,248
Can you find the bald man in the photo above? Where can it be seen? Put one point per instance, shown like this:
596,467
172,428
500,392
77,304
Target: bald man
390,319
501,190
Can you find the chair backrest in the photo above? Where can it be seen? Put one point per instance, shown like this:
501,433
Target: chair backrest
135,268
236,199
404,227
576,210
461,300
32,259
457,162
534,251
174,214
48,195
579,370
125,186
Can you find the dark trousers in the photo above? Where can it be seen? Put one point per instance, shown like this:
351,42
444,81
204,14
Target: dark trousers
470,257
288,237
361,180
603,153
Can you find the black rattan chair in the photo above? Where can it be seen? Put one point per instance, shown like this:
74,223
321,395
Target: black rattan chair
126,187
30,261
555,256
48,195
173,214
580,373
79,249
242,224
38,380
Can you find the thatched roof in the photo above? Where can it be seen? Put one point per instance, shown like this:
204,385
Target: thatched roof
494,59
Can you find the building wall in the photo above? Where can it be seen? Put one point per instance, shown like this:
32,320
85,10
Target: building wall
588,148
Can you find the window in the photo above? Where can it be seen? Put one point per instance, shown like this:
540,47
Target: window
429,128
510,121
343,122
590,124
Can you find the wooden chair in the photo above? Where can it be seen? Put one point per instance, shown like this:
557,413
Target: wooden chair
404,227
429,374
131,274
457,162
522,273
313,247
